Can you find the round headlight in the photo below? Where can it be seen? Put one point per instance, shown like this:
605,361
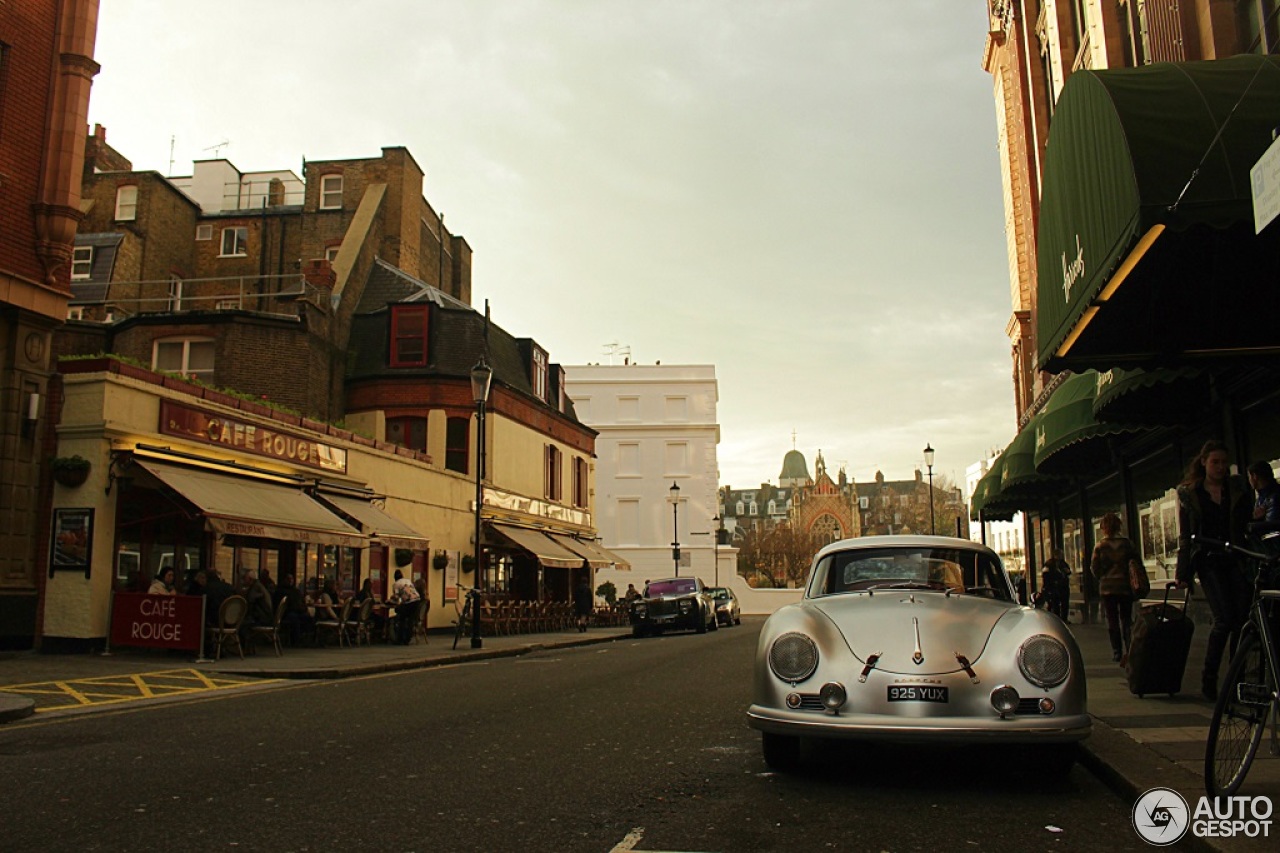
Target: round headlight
1044,660
832,695
793,657
1004,699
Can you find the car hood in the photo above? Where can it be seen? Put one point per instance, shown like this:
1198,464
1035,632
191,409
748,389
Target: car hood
916,633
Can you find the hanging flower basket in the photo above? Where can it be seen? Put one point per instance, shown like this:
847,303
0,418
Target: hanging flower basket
70,471
468,563
440,561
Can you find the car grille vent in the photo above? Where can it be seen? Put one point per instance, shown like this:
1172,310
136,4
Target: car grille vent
1028,706
810,702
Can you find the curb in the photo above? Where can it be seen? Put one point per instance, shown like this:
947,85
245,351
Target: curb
354,670
15,708
1130,769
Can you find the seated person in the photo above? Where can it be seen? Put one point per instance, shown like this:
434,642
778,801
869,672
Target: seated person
216,591
296,620
163,584
326,603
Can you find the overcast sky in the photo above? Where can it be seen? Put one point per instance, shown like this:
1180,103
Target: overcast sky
803,193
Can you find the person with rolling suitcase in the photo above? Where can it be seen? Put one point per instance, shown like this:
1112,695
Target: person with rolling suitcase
1160,646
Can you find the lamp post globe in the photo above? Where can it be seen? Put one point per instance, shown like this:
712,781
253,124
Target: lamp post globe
481,377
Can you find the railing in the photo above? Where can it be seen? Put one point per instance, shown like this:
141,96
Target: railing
263,293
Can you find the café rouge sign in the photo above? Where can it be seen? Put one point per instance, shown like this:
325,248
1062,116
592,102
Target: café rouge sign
207,428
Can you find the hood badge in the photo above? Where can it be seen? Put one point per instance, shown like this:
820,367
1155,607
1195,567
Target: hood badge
871,664
918,656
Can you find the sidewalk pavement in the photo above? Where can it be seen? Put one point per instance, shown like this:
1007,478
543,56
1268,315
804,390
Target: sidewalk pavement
1137,744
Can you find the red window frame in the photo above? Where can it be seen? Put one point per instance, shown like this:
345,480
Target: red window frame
457,451
409,326
405,426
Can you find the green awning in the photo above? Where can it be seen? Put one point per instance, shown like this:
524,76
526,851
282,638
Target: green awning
986,493
1152,397
1070,441
1146,247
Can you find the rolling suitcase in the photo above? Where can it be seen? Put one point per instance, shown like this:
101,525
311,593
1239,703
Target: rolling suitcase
1159,647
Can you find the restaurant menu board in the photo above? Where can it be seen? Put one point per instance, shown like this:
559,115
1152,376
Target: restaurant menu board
72,540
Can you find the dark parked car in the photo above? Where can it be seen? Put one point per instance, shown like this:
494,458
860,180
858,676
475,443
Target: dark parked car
675,604
728,611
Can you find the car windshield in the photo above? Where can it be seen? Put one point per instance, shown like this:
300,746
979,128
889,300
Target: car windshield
719,593
942,569
679,586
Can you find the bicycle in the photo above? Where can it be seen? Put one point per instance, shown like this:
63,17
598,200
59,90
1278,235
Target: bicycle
469,606
1248,696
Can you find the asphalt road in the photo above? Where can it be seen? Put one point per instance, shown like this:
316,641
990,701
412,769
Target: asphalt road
637,744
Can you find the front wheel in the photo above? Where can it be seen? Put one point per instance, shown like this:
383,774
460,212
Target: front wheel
1239,718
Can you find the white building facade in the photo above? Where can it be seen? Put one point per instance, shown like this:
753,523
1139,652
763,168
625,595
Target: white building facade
1006,538
657,428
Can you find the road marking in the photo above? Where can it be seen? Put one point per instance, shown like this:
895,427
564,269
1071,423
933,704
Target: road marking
633,838
630,840
114,689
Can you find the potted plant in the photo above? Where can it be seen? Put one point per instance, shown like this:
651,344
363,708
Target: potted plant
468,563
440,561
70,471
403,557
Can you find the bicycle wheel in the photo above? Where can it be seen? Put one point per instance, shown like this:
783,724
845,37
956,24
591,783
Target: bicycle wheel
1239,718
459,627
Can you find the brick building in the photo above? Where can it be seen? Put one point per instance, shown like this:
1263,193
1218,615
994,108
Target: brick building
255,320
1126,134
46,68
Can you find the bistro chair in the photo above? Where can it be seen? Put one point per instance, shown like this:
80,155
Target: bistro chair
231,615
357,628
337,626
420,623
271,632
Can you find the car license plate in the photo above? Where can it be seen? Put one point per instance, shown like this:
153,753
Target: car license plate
916,693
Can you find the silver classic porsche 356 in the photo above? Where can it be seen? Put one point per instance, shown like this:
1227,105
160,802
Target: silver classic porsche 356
918,639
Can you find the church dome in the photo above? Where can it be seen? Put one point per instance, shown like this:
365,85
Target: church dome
794,469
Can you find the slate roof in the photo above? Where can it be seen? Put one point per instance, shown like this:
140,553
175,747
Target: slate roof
94,288
457,336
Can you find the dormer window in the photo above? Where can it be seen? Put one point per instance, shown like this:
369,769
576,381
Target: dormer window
538,374
81,262
408,335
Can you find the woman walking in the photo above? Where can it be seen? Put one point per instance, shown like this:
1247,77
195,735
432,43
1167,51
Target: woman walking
1110,570
1212,505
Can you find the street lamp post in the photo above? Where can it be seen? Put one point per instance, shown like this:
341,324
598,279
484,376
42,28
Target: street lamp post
481,376
928,462
715,544
675,525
